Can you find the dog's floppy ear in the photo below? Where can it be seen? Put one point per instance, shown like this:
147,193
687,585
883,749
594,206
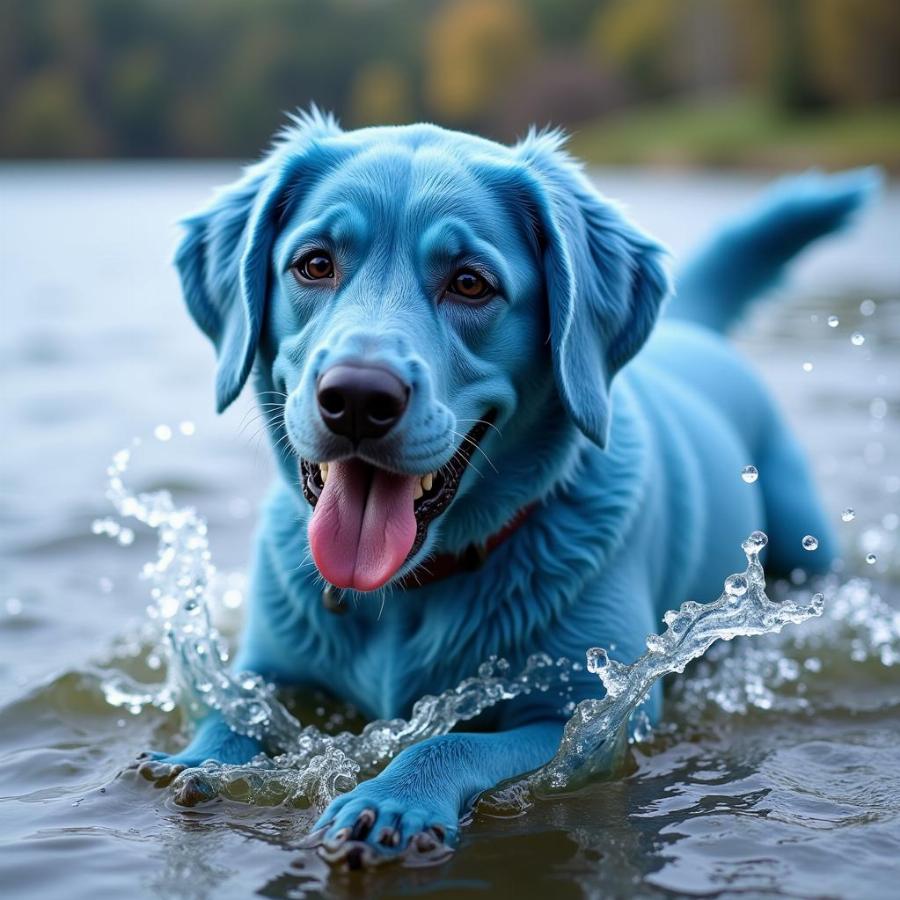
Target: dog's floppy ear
223,264
605,281
223,259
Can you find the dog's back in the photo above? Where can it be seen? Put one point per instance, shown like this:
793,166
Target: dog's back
743,259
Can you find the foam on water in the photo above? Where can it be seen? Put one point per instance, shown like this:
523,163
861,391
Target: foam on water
309,767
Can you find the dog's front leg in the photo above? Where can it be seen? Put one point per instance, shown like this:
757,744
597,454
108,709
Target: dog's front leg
415,804
213,739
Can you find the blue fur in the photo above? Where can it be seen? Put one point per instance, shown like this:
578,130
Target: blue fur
748,256
636,474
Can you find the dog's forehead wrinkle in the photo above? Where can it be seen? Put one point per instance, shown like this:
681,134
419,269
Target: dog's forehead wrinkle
374,180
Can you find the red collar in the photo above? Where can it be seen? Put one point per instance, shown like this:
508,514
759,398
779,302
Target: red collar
472,558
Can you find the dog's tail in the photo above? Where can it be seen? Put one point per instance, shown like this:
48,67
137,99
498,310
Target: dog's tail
748,255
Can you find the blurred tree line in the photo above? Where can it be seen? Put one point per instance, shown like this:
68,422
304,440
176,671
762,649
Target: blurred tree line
141,78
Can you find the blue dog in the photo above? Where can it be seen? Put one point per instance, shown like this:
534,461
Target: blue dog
447,331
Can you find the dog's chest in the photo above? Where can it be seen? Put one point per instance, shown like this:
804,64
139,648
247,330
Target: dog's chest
389,658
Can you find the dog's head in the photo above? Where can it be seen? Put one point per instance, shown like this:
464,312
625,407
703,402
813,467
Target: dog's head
435,321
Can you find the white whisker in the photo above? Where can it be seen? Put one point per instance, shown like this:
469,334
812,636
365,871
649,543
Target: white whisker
474,444
482,422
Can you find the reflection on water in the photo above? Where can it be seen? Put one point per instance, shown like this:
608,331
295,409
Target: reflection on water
741,793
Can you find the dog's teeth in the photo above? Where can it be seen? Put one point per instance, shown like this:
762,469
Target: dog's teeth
427,481
323,469
418,491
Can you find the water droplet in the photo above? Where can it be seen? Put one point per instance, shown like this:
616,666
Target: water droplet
126,537
867,307
168,606
810,543
232,598
596,660
871,559
833,321
736,585
754,543
162,433
848,515
878,408
749,474
857,339
807,367
13,606
187,428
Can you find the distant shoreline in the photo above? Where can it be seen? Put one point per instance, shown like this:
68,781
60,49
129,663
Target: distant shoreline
743,134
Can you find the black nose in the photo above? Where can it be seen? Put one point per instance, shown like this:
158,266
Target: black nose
361,401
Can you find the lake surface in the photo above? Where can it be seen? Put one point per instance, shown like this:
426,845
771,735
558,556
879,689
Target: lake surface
96,348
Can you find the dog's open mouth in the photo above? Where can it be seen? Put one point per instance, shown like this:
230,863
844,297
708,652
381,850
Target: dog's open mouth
367,522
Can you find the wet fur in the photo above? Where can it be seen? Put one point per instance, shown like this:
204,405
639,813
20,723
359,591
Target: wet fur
641,505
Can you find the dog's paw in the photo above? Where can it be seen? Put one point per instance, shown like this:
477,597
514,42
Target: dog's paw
369,826
193,789
159,769
162,770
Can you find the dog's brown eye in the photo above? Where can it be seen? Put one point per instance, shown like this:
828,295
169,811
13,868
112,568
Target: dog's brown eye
315,266
469,285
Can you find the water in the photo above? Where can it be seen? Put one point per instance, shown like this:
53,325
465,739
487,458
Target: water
776,772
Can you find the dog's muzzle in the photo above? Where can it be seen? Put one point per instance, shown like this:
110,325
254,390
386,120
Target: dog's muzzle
367,522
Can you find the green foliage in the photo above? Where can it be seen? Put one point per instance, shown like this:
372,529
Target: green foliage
215,77
744,132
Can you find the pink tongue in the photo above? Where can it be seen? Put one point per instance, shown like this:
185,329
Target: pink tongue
363,525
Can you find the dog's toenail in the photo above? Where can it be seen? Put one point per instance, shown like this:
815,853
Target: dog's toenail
425,843
363,825
389,837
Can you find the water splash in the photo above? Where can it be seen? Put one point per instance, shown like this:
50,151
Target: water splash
308,767
318,766
789,672
595,737
309,763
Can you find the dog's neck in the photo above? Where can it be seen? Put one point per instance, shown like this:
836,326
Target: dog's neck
445,565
